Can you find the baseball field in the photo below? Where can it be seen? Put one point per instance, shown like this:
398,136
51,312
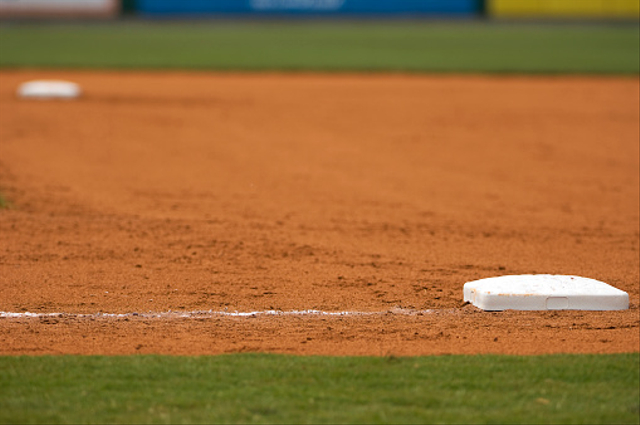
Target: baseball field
272,222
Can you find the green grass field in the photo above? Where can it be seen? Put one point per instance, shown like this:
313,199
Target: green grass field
287,389
468,47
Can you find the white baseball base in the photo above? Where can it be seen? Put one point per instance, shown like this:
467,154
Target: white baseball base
544,292
49,89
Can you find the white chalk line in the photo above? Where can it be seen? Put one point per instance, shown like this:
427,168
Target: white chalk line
207,314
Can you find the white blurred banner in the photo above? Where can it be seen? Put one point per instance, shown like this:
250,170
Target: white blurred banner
59,8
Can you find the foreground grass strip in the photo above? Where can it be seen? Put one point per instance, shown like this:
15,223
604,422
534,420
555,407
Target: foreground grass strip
328,46
262,388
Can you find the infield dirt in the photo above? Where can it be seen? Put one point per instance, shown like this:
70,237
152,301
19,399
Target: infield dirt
166,191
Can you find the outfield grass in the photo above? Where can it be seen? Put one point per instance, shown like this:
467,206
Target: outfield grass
327,46
261,388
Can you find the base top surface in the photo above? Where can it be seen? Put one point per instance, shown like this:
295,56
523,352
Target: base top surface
49,89
544,292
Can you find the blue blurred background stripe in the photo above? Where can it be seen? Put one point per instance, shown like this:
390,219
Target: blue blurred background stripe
308,7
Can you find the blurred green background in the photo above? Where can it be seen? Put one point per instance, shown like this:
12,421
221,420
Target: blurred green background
364,46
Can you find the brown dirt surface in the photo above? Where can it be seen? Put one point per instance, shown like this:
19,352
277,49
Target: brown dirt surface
189,192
